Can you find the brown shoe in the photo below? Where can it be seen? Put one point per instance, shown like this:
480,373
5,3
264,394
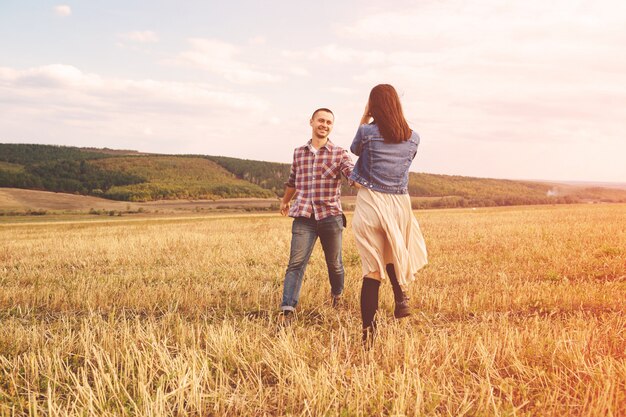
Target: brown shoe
402,308
336,300
286,318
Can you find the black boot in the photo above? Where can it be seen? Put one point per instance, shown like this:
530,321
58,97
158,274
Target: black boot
402,308
369,305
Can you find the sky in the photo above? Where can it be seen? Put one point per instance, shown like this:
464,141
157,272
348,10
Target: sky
496,89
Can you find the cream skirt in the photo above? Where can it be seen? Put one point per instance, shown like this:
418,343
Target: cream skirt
387,232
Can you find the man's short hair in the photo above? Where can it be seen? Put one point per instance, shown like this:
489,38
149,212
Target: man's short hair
322,109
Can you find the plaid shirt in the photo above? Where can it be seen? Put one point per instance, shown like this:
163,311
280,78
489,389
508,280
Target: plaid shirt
316,176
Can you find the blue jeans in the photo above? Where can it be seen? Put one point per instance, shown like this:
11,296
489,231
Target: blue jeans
304,233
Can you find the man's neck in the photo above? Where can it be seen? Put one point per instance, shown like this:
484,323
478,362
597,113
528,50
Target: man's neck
318,142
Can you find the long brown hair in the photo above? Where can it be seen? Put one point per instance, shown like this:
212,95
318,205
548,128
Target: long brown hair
385,108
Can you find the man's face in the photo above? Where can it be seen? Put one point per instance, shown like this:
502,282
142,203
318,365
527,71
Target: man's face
322,124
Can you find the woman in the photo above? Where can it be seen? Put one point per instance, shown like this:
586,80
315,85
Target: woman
387,234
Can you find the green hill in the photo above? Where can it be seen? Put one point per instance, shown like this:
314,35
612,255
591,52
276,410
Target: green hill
458,191
269,175
56,168
176,177
109,174
133,176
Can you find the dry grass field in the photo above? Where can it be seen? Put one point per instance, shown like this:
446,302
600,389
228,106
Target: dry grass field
521,312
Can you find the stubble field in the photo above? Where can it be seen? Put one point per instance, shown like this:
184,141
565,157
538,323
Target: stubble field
521,312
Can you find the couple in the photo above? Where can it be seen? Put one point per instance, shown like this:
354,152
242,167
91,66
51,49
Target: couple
387,234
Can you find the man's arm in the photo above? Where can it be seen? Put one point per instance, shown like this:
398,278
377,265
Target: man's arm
346,169
284,203
346,164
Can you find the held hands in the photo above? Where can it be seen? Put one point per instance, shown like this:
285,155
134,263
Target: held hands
354,184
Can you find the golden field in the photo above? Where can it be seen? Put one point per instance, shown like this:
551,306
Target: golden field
521,312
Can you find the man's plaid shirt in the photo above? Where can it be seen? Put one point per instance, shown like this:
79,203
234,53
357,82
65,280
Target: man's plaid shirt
317,180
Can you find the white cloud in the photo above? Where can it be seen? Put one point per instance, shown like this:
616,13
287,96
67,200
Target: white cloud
223,59
368,58
298,71
342,90
67,84
502,82
491,86
62,10
454,22
141,36
495,67
62,101
257,40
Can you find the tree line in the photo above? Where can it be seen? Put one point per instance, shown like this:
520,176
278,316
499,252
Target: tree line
68,176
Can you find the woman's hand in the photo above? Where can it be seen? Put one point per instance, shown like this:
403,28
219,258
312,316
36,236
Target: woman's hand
365,119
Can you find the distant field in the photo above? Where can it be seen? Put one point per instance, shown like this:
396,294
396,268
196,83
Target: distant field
587,184
19,201
519,313
15,198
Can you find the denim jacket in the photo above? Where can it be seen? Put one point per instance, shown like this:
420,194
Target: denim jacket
381,166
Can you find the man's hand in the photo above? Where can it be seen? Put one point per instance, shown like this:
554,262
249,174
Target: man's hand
284,203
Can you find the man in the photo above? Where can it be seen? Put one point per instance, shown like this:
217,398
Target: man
315,180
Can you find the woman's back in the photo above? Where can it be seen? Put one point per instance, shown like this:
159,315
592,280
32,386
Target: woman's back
382,166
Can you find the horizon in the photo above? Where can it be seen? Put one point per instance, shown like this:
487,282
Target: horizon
504,91
558,181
